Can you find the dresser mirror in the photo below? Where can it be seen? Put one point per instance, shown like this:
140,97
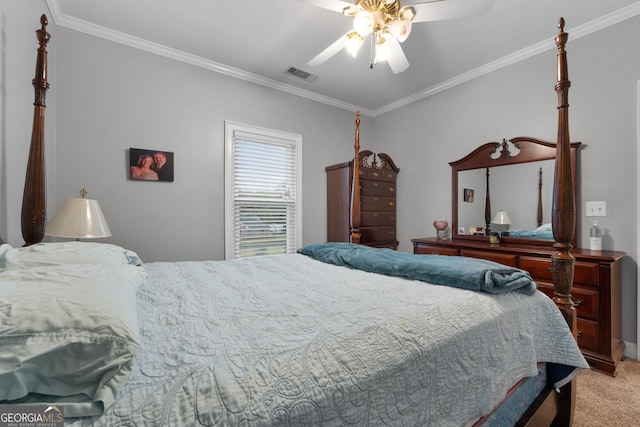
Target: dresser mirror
514,177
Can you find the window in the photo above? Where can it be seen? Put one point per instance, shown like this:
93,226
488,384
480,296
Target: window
262,191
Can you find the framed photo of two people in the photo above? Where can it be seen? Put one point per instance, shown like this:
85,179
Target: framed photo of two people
150,165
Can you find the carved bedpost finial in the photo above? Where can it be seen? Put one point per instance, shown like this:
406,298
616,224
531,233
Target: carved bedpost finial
355,187
34,212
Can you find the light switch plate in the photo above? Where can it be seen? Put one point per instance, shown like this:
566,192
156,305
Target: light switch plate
596,208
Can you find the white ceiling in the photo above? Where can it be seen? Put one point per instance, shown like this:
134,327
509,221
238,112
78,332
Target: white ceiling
258,40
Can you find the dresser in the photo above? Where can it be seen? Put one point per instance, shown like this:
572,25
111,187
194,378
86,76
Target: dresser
378,193
596,288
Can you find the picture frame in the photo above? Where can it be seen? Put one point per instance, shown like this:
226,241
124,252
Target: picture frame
150,165
468,195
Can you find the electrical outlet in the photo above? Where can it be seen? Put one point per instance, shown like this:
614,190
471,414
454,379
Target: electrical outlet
596,208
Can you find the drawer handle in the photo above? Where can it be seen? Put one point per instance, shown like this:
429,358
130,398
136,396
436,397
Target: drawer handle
580,331
391,204
375,174
375,184
577,302
391,189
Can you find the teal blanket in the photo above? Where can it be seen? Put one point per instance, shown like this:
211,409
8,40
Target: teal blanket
456,271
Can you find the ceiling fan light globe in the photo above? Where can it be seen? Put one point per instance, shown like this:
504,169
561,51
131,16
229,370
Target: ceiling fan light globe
354,43
406,30
382,51
363,23
395,27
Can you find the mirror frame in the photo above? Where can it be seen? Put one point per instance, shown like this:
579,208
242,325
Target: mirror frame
530,150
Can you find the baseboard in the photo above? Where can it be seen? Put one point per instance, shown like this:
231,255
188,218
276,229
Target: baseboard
631,350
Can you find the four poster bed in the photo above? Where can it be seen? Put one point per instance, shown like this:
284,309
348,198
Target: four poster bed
364,336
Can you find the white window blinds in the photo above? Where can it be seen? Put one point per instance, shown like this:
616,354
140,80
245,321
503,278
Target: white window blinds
263,175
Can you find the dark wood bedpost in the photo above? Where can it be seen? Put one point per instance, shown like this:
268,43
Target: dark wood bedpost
34,210
355,187
564,210
487,206
563,221
539,216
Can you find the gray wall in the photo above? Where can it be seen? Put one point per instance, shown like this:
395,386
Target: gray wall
112,98
106,98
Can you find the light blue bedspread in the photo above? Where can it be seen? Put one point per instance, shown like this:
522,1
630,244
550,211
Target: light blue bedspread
460,272
288,340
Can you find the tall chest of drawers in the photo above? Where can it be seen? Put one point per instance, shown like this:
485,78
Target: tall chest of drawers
378,192
596,288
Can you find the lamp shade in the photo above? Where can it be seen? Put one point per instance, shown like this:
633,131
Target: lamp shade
80,219
501,218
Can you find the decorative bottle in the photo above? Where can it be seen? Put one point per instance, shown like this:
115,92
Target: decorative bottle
595,241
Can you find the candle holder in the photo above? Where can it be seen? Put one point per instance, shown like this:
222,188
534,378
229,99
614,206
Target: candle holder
442,230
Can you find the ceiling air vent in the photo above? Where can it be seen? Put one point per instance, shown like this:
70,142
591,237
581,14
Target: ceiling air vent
308,77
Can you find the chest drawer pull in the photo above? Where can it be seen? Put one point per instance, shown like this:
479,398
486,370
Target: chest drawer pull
577,302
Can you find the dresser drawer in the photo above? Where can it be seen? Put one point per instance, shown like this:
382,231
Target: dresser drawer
506,259
435,250
586,300
377,188
380,174
377,234
585,273
369,219
588,336
378,204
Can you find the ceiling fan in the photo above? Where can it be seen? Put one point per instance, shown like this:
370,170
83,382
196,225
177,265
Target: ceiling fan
389,24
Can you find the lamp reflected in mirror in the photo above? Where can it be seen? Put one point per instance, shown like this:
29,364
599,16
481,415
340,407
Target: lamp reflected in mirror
501,218
79,218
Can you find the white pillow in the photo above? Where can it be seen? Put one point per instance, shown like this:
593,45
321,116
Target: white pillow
58,253
68,334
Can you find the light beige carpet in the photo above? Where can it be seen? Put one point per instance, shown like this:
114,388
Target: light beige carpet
604,401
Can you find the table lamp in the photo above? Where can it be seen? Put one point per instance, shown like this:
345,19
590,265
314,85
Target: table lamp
79,218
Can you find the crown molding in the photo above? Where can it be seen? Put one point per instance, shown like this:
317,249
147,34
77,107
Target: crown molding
593,26
575,33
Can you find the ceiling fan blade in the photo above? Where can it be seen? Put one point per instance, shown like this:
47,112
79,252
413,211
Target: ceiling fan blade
335,5
450,9
397,59
333,48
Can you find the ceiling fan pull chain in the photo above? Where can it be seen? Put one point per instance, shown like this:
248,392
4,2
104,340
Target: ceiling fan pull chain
371,53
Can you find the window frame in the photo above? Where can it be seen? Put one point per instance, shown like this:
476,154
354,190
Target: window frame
231,128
